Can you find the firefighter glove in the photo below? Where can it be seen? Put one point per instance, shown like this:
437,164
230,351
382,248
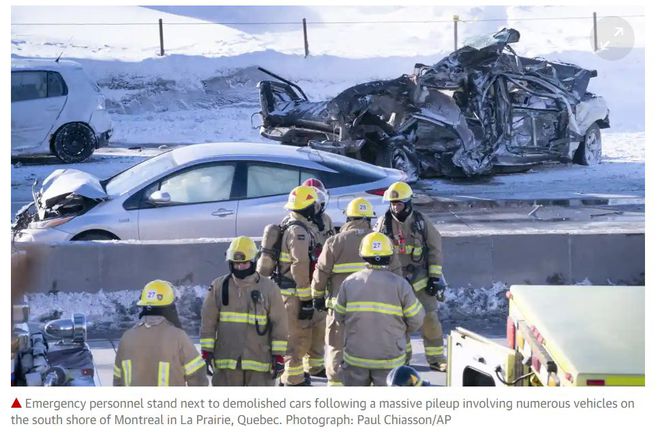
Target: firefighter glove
208,357
437,287
319,304
306,310
277,366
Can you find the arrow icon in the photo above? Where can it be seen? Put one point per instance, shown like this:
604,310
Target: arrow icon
619,31
16,404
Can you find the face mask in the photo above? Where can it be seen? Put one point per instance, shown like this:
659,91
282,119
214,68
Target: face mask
403,214
244,273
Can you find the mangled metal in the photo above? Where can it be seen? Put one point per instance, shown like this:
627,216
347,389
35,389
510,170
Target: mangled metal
65,193
481,109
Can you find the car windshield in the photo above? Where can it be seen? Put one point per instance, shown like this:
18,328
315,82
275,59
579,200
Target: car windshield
139,174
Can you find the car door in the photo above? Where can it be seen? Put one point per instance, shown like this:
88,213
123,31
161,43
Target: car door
37,99
477,361
266,188
200,205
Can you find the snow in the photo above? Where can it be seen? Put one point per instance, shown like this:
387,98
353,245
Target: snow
110,313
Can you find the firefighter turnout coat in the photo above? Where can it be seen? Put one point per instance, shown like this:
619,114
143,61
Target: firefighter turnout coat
378,309
156,353
232,326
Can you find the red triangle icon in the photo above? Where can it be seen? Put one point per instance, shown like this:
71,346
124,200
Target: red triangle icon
16,404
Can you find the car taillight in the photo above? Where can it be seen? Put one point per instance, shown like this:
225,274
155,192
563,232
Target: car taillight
596,382
379,192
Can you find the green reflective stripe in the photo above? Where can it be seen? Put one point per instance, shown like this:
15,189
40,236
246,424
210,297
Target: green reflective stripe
318,293
408,347
226,364
348,267
255,366
366,363
127,366
116,372
411,249
304,292
288,291
315,362
417,251
294,370
194,365
339,308
435,270
434,351
374,307
279,345
335,384
285,257
330,303
412,310
207,343
163,374
251,318
421,284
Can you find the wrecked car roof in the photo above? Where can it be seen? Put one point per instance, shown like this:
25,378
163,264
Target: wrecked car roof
67,181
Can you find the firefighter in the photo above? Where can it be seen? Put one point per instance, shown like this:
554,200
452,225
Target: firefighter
339,258
379,310
313,362
156,351
244,325
295,264
418,244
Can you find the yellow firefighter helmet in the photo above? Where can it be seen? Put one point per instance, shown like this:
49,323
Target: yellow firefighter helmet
376,245
360,208
242,249
301,197
157,293
398,191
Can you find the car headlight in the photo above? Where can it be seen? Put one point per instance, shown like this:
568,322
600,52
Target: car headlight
49,223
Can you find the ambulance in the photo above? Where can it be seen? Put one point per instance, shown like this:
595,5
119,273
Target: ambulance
557,336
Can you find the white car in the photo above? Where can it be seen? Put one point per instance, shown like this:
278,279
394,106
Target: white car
197,191
56,108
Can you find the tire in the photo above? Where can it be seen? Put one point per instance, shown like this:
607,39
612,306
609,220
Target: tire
94,235
590,151
395,156
74,143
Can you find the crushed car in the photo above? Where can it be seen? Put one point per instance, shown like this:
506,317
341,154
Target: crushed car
481,109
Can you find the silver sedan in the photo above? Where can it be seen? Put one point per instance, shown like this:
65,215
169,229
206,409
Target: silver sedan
198,191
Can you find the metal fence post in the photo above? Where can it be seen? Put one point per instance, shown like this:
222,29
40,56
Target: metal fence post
160,28
455,32
595,33
305,36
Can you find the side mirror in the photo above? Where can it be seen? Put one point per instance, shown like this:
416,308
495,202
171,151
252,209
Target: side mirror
160,198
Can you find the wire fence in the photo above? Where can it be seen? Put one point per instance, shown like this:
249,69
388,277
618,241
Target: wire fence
304,23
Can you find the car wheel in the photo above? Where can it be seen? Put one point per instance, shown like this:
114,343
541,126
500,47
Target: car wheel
590,151
74,143
94,235
395,156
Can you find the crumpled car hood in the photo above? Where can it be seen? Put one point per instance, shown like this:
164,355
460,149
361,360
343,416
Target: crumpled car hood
71,181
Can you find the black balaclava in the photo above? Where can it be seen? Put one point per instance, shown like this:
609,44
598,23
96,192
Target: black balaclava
242,274
378,261
405,212
308,212
169,312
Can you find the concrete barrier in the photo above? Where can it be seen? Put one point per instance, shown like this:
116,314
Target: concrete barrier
475,261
